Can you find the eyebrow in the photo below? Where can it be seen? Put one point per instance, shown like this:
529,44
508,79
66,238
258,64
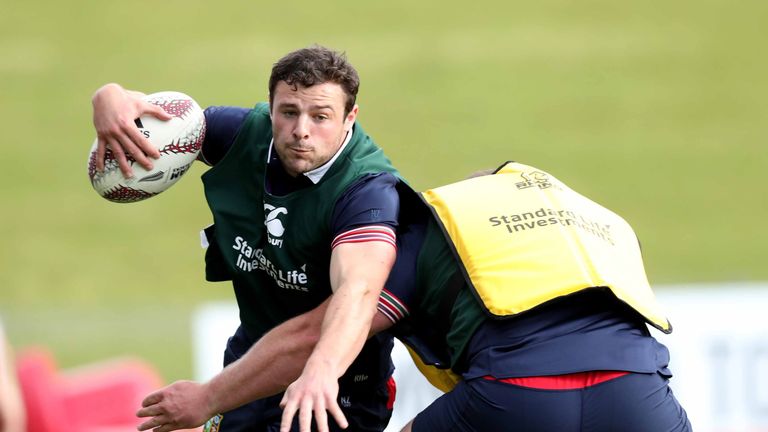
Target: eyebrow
312,107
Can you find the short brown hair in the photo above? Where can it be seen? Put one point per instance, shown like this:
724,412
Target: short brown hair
316,65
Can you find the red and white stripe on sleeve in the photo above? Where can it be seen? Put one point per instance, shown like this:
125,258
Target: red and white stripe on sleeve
392,307
366,234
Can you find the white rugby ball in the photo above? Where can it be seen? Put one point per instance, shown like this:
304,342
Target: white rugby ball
179,141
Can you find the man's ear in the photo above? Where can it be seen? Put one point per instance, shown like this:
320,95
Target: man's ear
349,120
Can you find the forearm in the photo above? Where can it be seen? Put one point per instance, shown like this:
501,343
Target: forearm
345,328
269,366
358,273
278,358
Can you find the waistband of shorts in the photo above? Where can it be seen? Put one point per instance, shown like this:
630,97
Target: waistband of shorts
570,381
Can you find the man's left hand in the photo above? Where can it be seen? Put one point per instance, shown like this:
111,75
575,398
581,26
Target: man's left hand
315,391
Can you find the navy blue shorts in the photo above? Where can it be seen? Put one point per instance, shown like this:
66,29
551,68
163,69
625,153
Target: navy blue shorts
631,403
367,409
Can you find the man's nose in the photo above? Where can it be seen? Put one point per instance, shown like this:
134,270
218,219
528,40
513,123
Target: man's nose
301,128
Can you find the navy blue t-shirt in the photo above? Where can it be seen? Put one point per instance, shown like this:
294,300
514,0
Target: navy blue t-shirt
587,331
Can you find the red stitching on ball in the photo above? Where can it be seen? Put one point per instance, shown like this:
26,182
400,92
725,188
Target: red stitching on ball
175,107
125,194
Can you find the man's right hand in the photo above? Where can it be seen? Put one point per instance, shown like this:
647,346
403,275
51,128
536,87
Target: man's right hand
114,113
181,405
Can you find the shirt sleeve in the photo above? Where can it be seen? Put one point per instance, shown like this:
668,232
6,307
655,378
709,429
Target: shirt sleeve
399,293
367,211
222,127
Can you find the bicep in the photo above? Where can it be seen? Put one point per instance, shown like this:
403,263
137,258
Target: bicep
363,264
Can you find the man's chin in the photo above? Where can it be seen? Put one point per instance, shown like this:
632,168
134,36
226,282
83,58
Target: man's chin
296,169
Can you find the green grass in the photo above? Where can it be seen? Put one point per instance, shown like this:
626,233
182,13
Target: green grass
655,109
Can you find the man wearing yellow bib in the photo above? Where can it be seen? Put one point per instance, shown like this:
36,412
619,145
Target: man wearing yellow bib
528,303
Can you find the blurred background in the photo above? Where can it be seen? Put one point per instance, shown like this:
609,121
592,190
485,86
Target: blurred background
655,109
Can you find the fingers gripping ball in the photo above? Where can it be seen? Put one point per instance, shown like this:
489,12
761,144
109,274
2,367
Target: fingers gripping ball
178,140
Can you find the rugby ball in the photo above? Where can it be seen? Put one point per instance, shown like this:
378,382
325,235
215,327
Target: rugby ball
179,141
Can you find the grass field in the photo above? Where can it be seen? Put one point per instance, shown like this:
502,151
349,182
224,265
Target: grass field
655,109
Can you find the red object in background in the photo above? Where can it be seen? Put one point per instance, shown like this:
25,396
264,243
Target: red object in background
97,398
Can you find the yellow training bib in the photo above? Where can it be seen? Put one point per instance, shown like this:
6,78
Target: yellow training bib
525,238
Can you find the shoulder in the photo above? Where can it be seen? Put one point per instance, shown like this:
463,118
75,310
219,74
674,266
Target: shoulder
370,200
223,126
374,191
382,182
224,117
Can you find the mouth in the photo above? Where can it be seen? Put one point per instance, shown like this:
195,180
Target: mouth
300,150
